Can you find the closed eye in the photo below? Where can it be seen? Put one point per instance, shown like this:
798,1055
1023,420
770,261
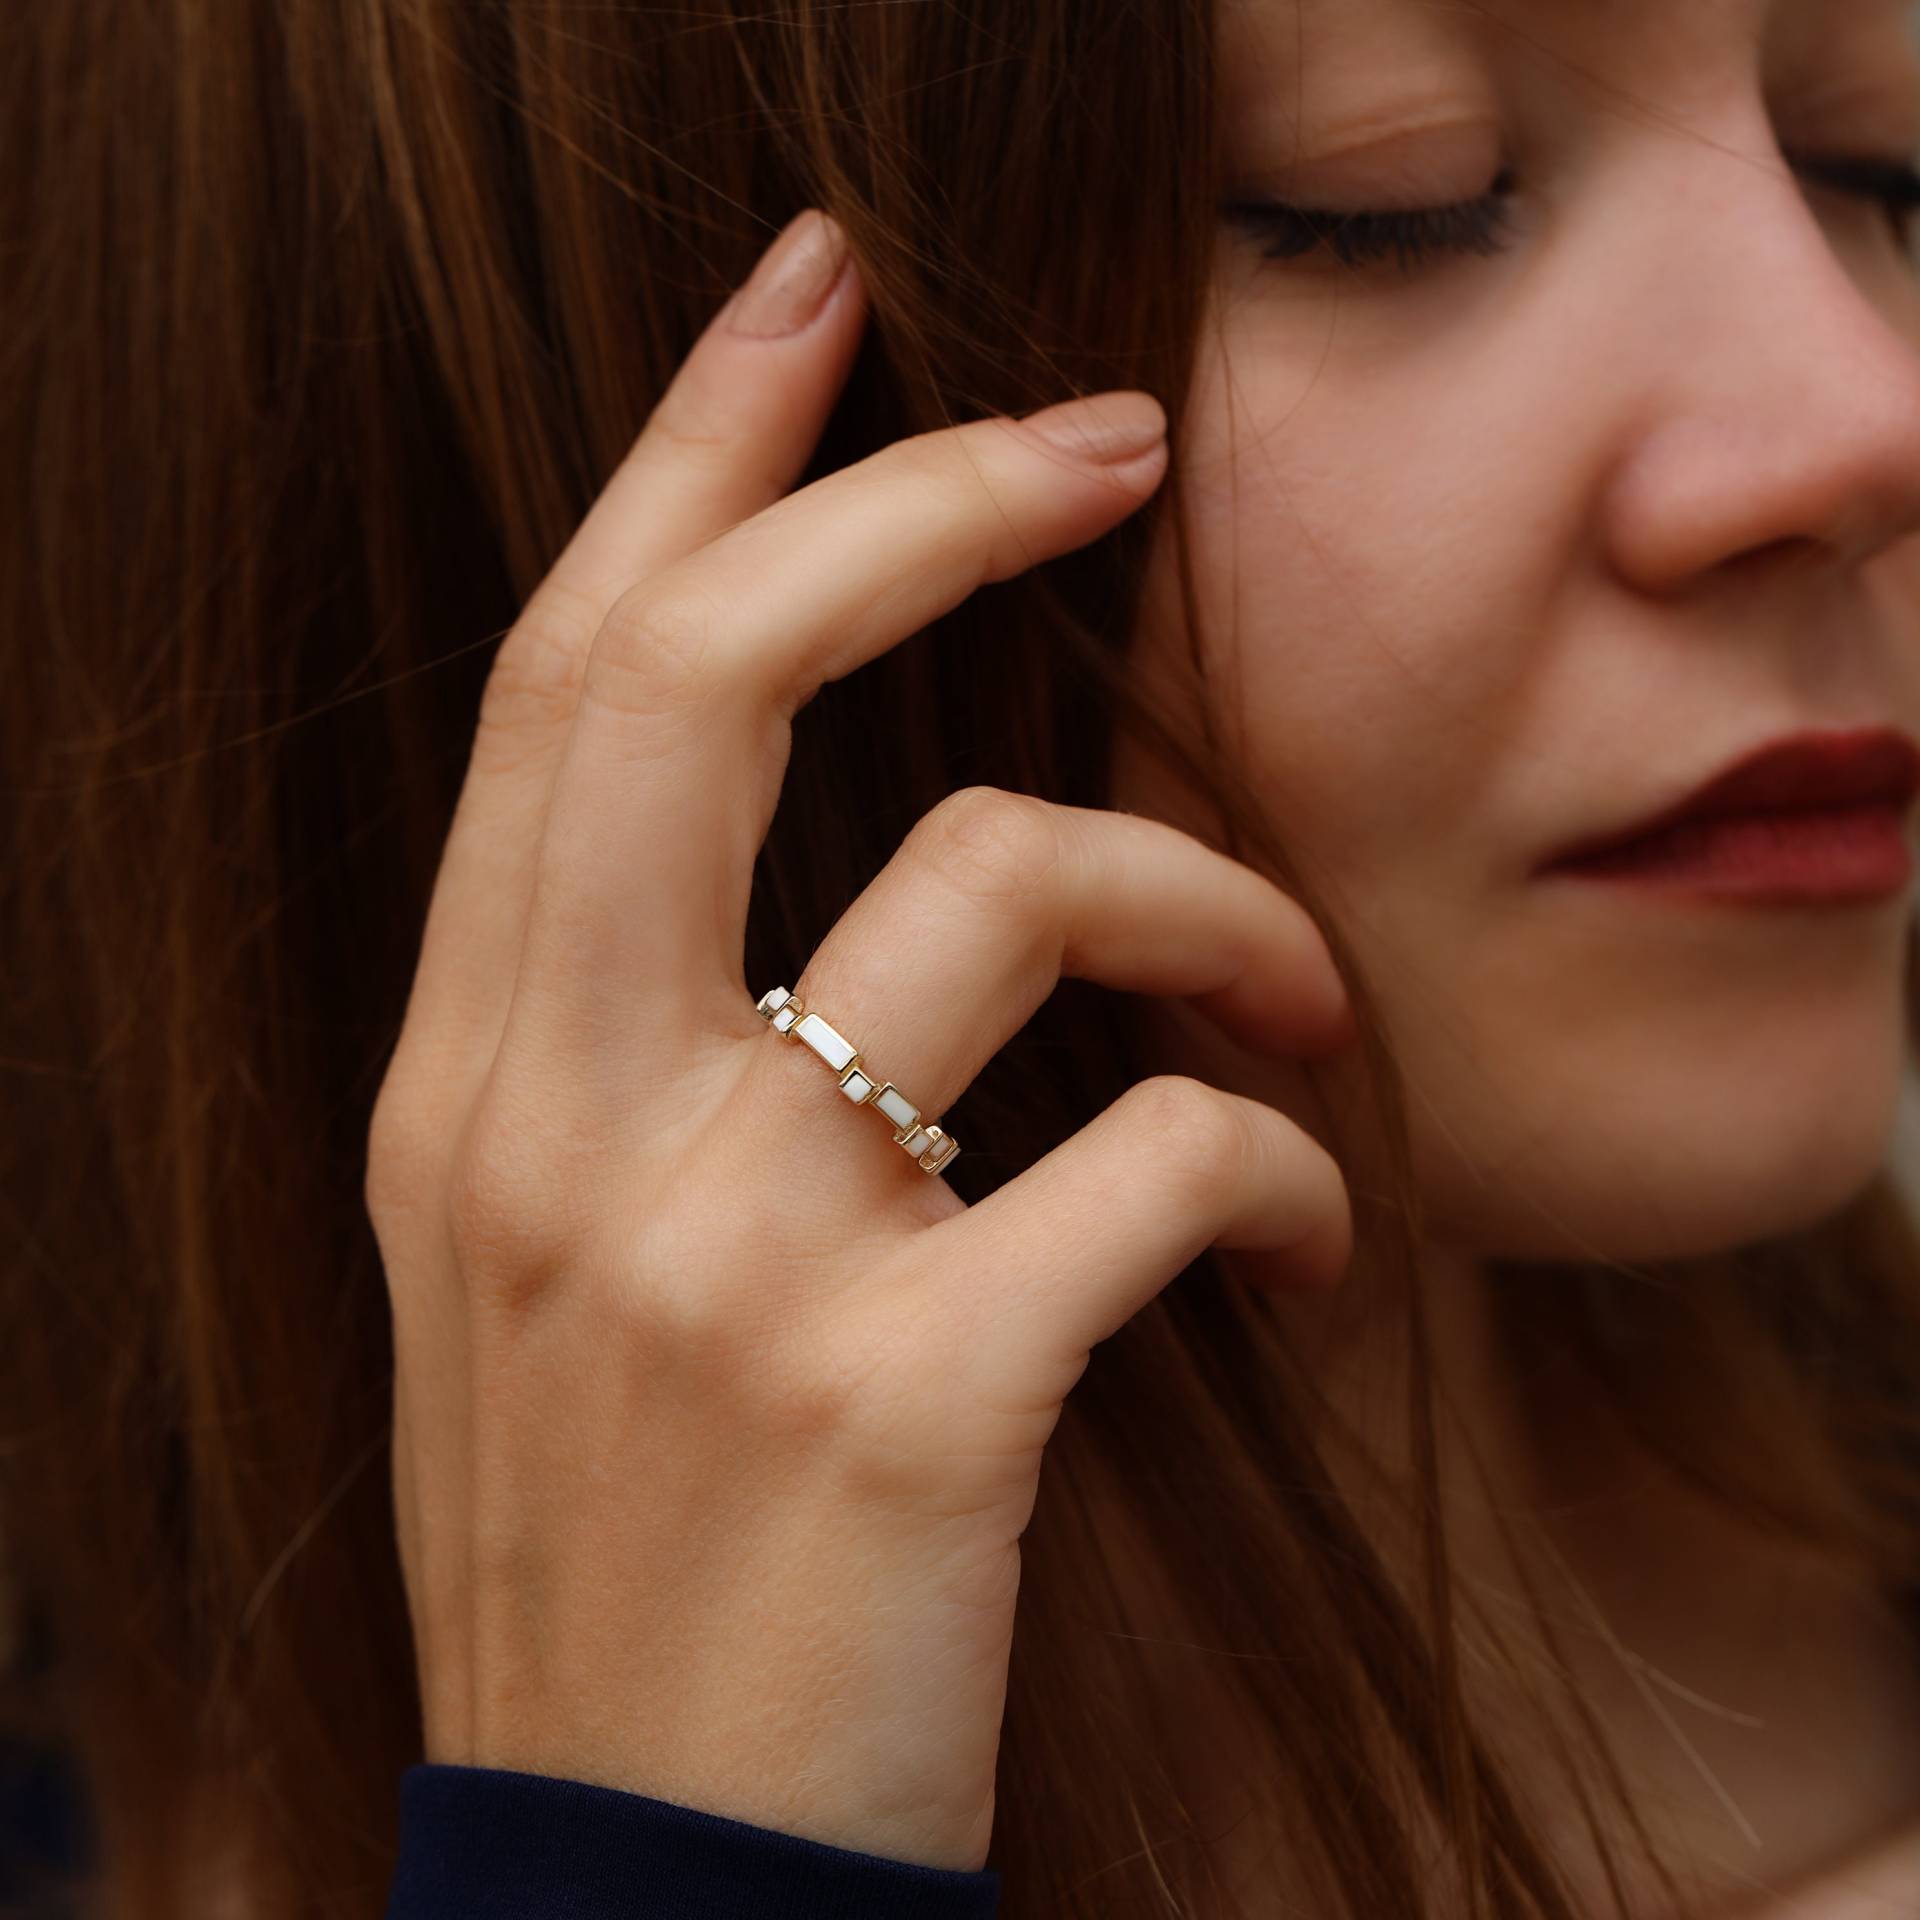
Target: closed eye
1359,238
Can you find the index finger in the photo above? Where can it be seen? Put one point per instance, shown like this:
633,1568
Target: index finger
674,764
731,434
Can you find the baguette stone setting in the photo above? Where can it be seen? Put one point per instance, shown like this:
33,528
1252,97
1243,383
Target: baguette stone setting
832,1047
932,1147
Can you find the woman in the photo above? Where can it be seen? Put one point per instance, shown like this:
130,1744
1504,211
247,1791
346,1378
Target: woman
475,659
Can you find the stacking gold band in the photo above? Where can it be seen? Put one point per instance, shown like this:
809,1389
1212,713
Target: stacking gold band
933,1150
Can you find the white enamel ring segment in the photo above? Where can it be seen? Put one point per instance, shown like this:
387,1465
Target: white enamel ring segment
933,1149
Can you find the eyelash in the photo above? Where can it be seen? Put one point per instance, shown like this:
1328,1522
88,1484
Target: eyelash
1481,226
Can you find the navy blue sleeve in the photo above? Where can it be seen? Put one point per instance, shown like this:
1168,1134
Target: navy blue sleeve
482,1843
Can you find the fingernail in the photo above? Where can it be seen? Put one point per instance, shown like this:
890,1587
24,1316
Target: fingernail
791,283
1107,427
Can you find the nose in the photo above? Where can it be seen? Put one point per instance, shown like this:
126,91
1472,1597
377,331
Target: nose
1778,411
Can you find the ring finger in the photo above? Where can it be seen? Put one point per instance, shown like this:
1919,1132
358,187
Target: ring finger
989,901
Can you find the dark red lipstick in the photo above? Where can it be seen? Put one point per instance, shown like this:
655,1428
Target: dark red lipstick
1814,815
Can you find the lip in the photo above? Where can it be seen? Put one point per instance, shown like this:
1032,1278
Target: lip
1801,773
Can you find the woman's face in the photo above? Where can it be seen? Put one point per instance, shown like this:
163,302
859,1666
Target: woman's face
1513,547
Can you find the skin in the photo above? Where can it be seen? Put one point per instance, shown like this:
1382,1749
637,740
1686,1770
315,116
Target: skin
814,1409
710,1476
1506,551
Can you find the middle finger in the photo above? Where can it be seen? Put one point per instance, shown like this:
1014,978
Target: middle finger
731,434
680,739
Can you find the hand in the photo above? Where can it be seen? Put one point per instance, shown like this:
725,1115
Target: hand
717,1422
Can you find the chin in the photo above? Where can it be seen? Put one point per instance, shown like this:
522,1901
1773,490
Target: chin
1664,1191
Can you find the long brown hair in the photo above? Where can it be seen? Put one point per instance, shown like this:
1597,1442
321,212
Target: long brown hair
327,320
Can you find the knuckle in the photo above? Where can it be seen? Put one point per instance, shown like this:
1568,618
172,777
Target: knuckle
968,465
400,1152
683,1291
934,455
1199,1135
812,1382
535,677
670,1339
990,843
654,655
941,471
693,1322
506,1206
872,1387
702,429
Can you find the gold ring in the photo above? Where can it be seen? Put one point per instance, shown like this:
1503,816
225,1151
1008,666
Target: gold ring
933,1149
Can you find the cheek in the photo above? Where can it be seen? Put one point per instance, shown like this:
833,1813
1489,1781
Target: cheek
1398,598
1346,575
